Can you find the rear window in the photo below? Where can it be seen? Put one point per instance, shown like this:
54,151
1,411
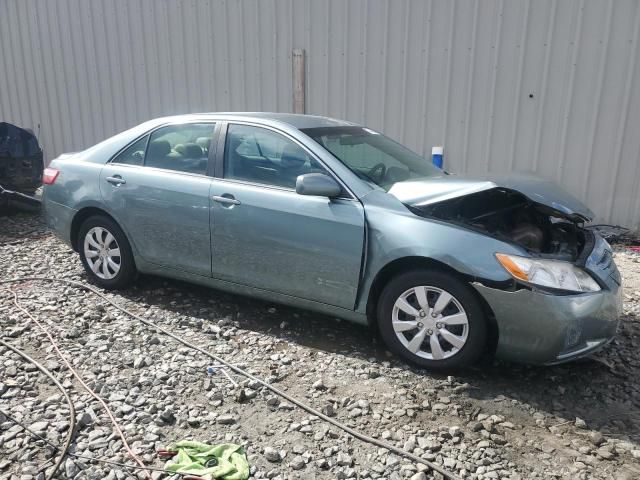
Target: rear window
183,148
134,153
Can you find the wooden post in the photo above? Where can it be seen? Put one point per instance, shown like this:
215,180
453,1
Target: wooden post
298,81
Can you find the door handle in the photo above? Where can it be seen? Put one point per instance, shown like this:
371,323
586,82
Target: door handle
116,180
225,200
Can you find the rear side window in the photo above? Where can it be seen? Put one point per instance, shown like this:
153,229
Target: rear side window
183,148
134,153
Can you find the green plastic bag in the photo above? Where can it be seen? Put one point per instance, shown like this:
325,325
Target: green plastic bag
193,456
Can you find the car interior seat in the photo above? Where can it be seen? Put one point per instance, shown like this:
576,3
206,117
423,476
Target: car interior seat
158,154
193,158
190,150
204,143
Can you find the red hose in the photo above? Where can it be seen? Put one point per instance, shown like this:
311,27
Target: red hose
84,385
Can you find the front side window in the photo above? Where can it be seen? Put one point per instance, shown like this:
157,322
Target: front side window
134,153
184,148
373,157
258,155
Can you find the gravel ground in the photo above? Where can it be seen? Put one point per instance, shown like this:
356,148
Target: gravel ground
499,420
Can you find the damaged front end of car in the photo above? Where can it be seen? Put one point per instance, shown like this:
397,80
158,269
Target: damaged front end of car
564,299
510,216
526,211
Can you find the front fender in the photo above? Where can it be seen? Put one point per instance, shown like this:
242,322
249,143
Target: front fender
394,232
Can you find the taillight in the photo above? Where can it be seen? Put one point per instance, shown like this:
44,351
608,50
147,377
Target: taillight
49,176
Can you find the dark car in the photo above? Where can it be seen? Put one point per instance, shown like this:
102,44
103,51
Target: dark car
21,165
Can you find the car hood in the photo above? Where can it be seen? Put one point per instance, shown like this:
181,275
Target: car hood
430,190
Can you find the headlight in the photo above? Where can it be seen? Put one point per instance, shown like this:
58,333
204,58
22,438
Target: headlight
548,273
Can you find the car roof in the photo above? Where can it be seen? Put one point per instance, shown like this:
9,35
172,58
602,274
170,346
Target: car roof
295,120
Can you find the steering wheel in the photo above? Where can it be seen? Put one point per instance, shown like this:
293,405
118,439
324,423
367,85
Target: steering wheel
378,170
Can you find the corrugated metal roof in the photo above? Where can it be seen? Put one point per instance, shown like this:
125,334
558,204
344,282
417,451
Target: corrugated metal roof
549,86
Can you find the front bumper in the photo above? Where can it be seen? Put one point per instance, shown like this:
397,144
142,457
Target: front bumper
545,328
542,328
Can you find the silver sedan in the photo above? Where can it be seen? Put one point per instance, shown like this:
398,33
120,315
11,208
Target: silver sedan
335,217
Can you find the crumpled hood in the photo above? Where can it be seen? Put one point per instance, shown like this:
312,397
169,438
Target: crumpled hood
430,190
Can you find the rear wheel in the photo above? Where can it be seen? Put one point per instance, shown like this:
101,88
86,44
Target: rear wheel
432,319
105,252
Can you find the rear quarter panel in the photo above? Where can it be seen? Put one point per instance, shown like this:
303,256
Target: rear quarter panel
75,188
77,185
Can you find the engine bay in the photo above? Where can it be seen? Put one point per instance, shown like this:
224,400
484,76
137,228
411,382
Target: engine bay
510,216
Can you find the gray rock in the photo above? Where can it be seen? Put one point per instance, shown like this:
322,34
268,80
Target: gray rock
85,419
596,438
167,417
70,468
431,445
39,427
226,419
474,426
329,411
193,422
297,463
580,423
344,459
606,454
246,394
139,362
498,439
449,462
319,385
272,455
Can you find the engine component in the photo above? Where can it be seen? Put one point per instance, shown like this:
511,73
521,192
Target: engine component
510,216
528,235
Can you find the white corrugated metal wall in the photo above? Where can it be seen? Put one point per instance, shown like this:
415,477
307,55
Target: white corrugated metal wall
549,86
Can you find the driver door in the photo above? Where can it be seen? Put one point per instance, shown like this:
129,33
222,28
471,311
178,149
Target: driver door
265,235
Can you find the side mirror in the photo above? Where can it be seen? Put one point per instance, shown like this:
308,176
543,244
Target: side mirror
317,184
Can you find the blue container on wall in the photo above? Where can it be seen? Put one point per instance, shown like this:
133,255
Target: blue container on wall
437,156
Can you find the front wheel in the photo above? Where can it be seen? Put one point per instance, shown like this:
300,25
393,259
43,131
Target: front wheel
432,319
105,252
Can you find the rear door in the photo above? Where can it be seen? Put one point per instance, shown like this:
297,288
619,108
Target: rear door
158,189
267,236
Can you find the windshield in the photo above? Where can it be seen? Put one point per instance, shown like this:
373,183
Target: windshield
373,157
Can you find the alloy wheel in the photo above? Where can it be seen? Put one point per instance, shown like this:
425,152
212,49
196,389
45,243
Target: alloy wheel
102,253
430,322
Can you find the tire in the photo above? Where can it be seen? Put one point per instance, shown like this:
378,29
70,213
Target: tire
399,328
116,268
